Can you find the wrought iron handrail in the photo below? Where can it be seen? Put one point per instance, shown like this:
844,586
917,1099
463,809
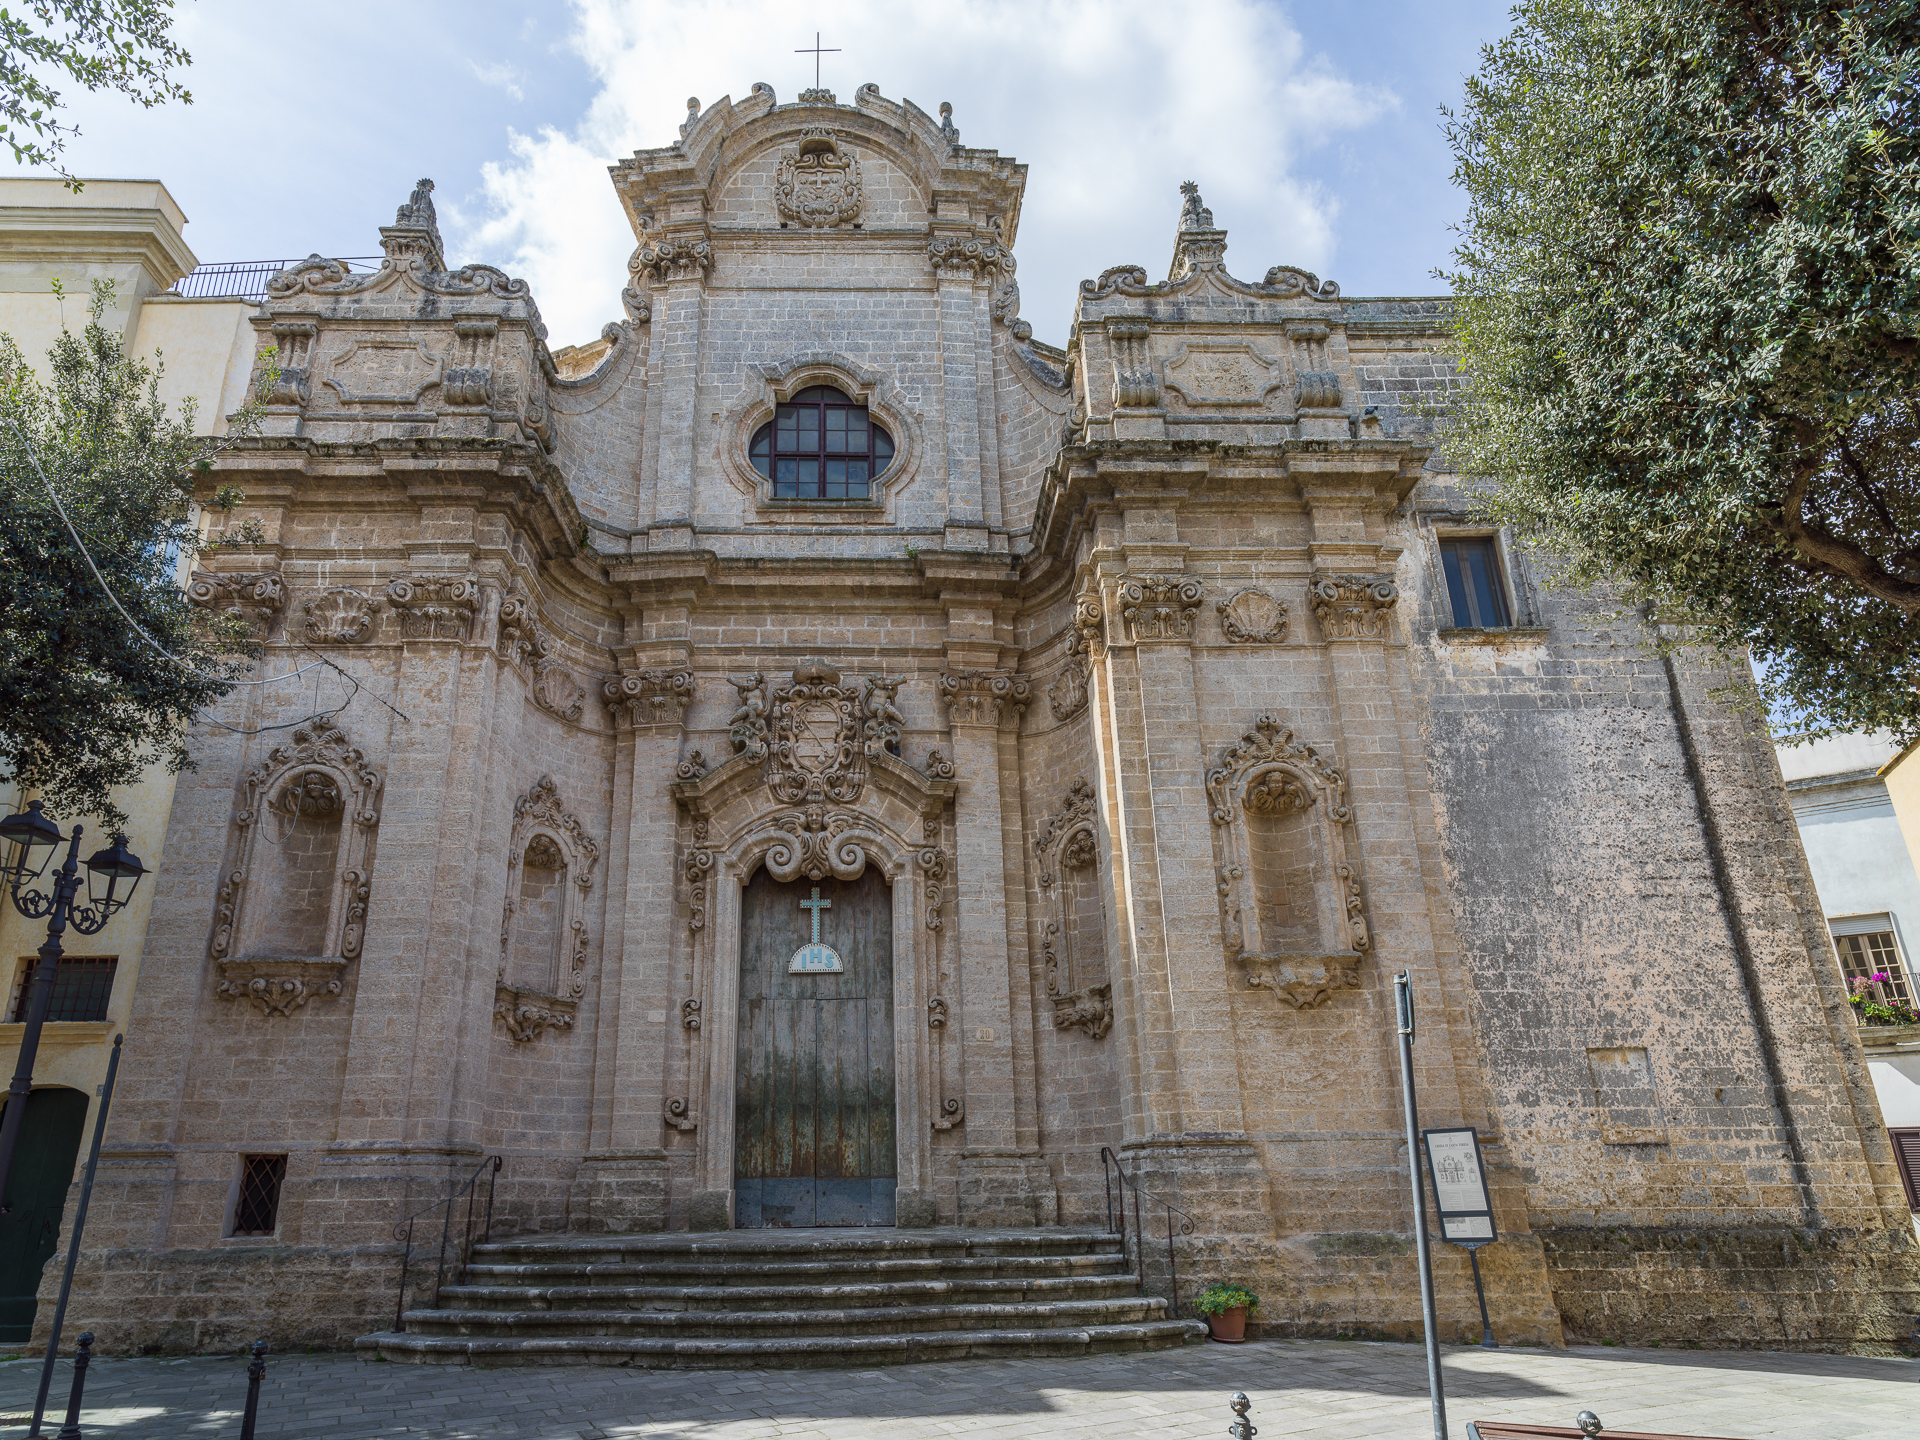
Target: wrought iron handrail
1109,1171
403,1230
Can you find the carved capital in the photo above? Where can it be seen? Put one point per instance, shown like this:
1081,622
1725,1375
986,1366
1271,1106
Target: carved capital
435,607
1160,607
1352,607
984,697
255,598
976,257
657,261
647,697
526,1013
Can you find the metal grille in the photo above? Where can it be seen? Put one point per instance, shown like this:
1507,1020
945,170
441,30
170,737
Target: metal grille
256,1208
1864,956
247,279
81,988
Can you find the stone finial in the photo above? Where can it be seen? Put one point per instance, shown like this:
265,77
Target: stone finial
693,114
418,209
948,129
1194,215
415,232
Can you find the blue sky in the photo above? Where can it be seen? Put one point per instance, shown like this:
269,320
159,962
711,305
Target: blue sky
1313,130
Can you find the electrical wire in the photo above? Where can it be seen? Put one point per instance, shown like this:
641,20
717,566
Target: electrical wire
320,660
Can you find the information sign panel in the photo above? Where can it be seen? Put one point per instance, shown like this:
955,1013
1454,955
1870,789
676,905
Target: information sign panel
1460,1186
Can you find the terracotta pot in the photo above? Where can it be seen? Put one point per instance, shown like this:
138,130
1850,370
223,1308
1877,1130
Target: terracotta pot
1229,1327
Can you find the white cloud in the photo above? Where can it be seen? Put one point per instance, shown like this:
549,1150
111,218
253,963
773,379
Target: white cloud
501,74
1111,103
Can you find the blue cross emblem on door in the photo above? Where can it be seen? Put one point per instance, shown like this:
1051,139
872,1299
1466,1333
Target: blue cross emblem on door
815,957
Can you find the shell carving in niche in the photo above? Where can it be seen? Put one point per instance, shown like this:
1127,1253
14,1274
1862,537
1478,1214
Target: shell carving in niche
1253,617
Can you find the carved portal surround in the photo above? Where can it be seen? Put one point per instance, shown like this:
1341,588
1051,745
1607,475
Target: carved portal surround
812,790
1072,941
291,912
1292,905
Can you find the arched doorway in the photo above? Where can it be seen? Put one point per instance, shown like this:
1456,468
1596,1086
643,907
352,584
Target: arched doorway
42,1171
814,1070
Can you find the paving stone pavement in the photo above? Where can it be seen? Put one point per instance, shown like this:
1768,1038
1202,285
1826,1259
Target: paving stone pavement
1301,1389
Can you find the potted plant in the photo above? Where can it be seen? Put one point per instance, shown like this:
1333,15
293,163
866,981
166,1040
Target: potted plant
1226,1306
1874,1006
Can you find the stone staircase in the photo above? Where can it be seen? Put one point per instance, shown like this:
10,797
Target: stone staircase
764,1299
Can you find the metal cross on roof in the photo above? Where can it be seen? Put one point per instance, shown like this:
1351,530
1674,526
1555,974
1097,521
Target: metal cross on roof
817,52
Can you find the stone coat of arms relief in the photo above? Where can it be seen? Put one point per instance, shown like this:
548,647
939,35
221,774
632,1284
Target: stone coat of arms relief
817,186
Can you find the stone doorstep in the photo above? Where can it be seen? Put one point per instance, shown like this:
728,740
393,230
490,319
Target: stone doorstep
753,1271
945,1243
784,1353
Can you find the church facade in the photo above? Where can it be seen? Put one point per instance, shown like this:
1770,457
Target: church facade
820,756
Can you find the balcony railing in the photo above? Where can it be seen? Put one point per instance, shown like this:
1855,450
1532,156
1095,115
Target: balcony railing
247,279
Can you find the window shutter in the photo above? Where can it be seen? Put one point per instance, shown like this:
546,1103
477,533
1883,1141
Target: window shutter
1906,1153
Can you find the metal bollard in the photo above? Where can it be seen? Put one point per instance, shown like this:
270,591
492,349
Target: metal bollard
1242,1428
1589,1423
82,1357
255,1370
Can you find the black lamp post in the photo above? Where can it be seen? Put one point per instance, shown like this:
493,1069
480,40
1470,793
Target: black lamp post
30,838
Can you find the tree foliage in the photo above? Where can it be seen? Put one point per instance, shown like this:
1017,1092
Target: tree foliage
1688,299
86,701
119,45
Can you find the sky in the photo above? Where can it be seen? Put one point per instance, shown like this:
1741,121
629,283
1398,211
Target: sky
1313,130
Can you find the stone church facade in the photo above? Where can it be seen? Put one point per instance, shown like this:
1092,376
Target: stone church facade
1064,751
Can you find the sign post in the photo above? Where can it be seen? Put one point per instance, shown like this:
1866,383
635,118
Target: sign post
1403,1014
1466,1213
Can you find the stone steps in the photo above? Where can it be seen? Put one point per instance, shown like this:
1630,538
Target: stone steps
742,1296
787,1298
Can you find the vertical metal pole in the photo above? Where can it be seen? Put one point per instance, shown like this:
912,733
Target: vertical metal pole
1486,1328
82,1357
66,882
406,1259
1173,1270
73,1243
256,1368
1403,1012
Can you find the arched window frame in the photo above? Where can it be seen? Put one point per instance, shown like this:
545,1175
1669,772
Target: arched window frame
770,386
784,446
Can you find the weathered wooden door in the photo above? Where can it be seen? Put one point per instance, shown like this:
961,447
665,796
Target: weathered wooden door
30,1232
813,1092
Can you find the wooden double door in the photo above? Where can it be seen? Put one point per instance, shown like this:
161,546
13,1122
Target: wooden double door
814,1089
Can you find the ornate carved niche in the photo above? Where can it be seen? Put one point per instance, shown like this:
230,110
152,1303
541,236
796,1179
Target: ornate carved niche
1352,607
292,911
817,186
1293,912
1073,942
543,926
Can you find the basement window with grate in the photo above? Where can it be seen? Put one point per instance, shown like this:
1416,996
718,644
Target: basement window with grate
256,1195
82,985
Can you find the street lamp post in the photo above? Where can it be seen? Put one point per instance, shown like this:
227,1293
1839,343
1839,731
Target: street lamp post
31,838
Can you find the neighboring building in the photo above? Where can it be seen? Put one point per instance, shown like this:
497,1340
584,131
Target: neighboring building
128,232
825,756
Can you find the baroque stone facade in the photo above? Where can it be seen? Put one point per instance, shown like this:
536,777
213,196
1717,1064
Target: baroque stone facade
493,904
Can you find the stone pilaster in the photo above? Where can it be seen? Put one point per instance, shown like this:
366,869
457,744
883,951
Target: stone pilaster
956,261
622,1183
1002,1180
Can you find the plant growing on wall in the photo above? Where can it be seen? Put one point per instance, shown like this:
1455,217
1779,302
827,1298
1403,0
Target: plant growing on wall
102,662
1688,319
